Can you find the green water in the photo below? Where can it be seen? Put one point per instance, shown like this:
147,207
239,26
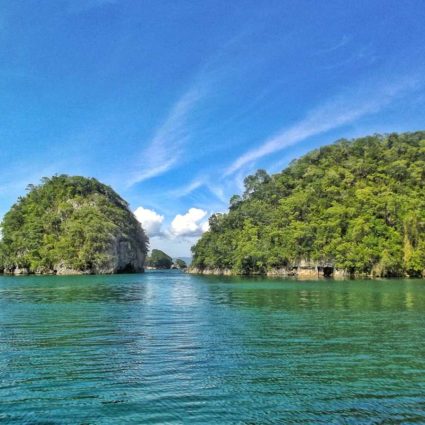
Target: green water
169,348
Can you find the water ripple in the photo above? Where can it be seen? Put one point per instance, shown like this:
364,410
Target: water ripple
169,348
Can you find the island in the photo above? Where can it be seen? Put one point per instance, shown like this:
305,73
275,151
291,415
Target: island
179,264
159,260
350,209
71,225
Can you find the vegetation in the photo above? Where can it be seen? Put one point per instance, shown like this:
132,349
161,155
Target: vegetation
159,260
181,264
358,205
68,222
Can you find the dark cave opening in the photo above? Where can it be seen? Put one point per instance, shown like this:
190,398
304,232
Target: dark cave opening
328,271
128,268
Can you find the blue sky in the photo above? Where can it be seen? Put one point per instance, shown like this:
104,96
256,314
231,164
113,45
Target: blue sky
173,103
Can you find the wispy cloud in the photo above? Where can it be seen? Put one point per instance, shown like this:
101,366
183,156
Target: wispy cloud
188,188
345,39
166,147
340,111
365,54
218,190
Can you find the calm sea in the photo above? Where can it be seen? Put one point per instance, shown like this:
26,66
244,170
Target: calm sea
170,348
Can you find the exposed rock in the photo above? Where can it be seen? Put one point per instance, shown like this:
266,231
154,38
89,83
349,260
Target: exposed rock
20,271
303,270
217,271
72,225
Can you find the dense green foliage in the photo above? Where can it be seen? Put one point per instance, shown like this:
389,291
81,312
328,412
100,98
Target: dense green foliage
68,222
359,205
181,264
159,260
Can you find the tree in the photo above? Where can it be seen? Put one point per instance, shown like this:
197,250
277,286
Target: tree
359,205
181,264
159,260
70,222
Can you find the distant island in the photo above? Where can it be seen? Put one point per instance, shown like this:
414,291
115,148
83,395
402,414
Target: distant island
159,260
71,225
354,208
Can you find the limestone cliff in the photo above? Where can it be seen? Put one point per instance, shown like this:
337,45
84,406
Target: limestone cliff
71,225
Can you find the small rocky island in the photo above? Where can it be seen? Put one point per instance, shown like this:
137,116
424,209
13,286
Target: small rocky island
159,260
71,225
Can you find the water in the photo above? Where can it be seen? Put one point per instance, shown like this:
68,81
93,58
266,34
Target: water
169,348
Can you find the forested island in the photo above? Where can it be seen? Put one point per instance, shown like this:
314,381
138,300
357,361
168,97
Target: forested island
159,260
71,225
353,208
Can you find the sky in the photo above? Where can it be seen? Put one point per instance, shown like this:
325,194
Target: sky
174,103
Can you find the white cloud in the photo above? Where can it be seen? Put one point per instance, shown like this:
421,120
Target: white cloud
189,224
151,221
164,151
331,115
205,226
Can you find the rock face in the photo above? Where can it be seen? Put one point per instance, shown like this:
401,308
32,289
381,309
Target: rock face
303,269
72,225
129,257
299,272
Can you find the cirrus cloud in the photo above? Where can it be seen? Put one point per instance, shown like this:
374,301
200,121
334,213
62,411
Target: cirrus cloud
337,112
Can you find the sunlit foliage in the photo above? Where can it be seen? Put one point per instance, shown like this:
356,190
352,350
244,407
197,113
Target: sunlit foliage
159,260
66,220
359,205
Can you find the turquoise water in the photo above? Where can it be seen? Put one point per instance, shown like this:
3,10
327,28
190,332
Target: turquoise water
169,348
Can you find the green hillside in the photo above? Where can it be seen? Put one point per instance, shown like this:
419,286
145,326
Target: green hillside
356,206
159,260
71,225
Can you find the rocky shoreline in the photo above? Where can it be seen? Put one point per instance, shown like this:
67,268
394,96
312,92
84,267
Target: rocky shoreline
302,273
23,271
298,272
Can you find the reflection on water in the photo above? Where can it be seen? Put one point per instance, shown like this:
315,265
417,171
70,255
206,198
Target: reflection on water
165,347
